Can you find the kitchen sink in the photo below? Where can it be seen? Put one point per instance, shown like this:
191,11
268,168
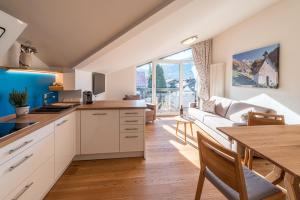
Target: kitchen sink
53,108
47,110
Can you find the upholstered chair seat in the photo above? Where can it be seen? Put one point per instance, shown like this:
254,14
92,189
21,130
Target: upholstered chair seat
257,187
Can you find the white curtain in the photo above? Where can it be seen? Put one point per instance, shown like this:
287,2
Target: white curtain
202,58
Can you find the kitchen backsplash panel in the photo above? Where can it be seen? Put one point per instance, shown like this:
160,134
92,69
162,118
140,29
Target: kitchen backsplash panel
36,84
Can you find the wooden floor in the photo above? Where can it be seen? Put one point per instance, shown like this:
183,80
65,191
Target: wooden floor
169,172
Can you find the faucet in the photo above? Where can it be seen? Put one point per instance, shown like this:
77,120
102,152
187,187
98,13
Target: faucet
46,97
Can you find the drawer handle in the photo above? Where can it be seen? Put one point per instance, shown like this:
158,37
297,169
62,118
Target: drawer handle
19,147
61,123
20,162
131,113
99,113
22,191
132,136
131,121
131,129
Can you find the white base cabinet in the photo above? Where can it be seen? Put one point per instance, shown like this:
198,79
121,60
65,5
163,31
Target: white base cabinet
17,169
99,131
37,185
112,131
64,150
30,166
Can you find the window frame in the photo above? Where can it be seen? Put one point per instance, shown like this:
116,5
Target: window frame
162,60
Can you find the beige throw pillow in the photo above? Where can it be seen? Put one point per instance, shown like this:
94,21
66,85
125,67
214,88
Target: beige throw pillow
208,106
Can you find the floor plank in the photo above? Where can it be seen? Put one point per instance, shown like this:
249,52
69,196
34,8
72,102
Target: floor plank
169,172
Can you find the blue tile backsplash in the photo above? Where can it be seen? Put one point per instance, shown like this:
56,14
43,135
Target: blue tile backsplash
36,84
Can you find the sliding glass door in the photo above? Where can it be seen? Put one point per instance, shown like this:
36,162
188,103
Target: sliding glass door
168,82
167,88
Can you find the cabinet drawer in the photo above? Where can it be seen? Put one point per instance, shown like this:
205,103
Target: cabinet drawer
132,113
99,113
17,169
131,128
132,120
36,186
9,151
131,142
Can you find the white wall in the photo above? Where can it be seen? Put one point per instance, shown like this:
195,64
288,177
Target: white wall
120,83
117,84
277,24
83,80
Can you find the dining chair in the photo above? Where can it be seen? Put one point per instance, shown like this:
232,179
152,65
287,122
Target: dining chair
223,168
258,119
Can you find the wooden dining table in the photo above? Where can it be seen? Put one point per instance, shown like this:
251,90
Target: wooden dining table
280,144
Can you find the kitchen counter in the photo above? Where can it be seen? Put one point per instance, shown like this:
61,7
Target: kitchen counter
128,104
45,119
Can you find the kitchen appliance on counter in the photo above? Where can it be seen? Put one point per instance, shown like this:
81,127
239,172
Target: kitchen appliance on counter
87,97
7,128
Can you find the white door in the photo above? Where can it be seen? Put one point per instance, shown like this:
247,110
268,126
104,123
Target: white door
64,142
100,131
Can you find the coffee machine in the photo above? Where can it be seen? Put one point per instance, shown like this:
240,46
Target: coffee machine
87,97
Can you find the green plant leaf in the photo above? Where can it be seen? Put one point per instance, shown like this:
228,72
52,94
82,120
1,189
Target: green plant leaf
18,98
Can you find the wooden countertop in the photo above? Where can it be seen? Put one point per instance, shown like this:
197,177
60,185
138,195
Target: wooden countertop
45,119
128,104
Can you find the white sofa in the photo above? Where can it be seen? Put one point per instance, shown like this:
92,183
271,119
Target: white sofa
228,113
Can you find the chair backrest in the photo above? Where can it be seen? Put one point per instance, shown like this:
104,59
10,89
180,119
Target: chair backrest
256,119
132,97
223,163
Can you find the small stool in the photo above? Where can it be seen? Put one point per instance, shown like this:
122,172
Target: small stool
184,120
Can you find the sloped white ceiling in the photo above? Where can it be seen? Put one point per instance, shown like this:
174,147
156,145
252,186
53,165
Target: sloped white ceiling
68,31
161,33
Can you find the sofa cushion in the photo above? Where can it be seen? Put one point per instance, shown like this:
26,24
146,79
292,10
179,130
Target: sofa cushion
222,105
208,106
199,114
215,121
237,109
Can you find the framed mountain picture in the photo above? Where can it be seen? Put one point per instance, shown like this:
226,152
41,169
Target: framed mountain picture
257,68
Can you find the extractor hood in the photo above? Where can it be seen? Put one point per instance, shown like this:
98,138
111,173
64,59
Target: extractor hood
10,29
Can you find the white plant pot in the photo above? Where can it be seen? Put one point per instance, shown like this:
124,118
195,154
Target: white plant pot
21,111
25,60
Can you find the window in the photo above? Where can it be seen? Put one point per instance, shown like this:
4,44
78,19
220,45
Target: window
175,79
190,85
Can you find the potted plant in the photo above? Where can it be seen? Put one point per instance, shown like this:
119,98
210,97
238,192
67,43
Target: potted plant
19,99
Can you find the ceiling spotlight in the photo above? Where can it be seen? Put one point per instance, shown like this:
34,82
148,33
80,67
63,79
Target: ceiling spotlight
189,40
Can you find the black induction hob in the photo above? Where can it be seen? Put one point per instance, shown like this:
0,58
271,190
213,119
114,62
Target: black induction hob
7,128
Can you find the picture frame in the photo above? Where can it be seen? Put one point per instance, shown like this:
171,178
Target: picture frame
258,68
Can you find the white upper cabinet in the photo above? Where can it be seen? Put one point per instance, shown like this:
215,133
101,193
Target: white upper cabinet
10,29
